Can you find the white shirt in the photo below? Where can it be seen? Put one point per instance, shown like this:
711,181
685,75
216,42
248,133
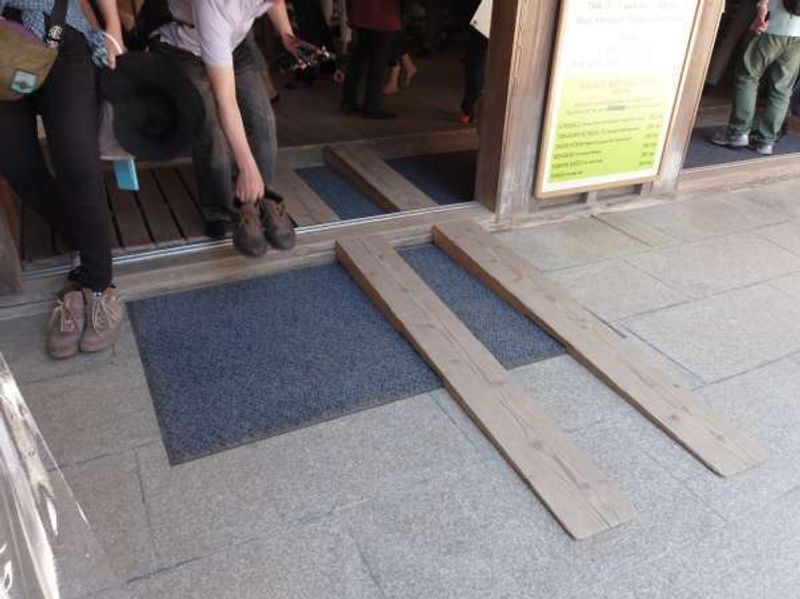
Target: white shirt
211,29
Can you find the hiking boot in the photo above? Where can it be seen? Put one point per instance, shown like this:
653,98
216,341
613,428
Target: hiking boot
765,148
103,317
278,227
66,324
248,234
723,138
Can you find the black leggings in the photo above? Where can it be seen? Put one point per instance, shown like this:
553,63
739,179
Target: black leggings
74,200
370,53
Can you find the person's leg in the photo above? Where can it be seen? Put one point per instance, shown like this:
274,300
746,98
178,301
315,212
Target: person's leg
381,47
256,110
211,156
69,104
259,124
758,55
392,83
22,163
474,71
781,76
87,319
356,62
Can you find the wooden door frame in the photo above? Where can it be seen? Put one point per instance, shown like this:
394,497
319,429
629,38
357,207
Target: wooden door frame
517,81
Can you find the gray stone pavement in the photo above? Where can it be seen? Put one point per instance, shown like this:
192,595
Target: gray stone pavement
409,500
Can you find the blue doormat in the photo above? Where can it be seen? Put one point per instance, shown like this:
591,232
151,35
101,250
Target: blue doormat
703,153
447,178
233,364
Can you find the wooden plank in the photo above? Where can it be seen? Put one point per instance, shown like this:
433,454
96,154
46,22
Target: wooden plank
717,444
184,208
159,218
303,204
10,267
8,204
189,179
570,485
380,182
129,219
37,236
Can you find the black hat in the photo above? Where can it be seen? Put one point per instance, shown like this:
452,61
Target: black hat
157,109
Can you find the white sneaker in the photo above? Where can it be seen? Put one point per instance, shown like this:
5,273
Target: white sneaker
722,138
765,149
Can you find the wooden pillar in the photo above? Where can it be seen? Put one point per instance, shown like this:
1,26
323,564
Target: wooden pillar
703,39
10,270
517,72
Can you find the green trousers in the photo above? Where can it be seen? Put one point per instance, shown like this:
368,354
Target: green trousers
777,57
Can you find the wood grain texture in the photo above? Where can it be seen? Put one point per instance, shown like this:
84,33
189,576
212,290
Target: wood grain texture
517,72
683,120
10,267
129,218
37,236
718,445
570,485
160,221
303,204
181,203
380,182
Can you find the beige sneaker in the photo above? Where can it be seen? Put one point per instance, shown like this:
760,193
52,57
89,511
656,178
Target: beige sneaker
103,317
66,325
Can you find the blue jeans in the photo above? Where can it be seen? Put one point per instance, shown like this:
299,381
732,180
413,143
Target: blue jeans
214,165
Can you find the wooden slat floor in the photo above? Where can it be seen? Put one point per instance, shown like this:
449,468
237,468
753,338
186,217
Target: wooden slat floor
163,213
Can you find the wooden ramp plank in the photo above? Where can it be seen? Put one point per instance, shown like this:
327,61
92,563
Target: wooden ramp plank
156,210
571,486
132,228
614,359
303,204
380,182
188,216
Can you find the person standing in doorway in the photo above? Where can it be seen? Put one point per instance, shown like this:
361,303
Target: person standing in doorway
71,195
208,39
474,67
775,52
375,24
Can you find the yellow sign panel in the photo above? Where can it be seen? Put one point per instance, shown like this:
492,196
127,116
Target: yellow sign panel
614,87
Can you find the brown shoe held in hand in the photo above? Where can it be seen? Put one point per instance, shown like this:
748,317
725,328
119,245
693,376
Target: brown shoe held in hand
278,227
248,234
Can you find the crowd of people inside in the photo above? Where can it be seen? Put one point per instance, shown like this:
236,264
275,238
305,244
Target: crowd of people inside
194,81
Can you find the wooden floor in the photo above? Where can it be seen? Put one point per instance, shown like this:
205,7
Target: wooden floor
163,213
310,115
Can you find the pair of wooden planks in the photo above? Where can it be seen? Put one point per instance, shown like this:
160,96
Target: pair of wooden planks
577,493
365,169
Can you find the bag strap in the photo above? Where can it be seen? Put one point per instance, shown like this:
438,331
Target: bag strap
55,29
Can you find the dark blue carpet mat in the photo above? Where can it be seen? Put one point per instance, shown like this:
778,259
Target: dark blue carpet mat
233,364
704,153
337,192
447,178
